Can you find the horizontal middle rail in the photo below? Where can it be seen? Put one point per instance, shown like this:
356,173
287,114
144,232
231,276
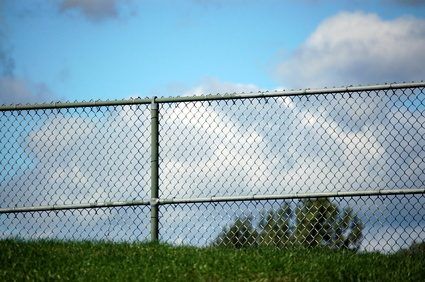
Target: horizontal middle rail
74,206
176,201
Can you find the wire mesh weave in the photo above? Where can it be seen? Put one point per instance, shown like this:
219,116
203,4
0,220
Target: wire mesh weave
343,141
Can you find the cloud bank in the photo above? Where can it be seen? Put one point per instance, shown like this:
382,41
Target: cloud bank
358,48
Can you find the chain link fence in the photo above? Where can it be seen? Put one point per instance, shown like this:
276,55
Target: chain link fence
340,168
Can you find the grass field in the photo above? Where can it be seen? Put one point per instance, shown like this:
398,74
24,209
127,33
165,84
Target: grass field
82,261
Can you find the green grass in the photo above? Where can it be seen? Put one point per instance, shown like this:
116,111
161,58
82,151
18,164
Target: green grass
82,261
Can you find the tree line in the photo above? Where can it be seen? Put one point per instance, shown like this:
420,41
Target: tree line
312,223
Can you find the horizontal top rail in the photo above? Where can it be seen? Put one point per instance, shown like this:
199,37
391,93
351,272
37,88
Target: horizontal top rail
152,202
260,94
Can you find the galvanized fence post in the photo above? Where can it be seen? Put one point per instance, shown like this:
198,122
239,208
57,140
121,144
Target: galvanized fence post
154,171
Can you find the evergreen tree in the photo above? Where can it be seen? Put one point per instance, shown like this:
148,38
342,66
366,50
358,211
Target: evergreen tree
275,227
320,223
240,234
315,222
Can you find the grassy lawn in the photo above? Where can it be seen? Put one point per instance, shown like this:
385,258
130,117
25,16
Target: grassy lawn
50,260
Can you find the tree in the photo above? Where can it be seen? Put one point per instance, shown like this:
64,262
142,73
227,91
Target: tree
240,234
320,223
275,227
315,222
416,248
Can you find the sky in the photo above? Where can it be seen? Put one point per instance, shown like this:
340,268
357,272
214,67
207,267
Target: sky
66,50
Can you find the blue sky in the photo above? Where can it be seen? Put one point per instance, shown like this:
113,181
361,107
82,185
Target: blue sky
113,49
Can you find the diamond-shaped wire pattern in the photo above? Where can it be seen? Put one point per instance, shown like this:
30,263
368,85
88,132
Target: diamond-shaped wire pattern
111,224
77,155
337,142
225,165
379,223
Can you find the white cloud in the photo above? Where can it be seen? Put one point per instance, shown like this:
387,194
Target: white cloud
282,146
358,48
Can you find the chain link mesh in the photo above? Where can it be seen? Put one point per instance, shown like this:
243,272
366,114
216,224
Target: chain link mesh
106,224
70,156
341,142
381,223
351,141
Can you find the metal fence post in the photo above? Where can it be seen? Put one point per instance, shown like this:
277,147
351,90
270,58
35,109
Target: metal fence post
154,171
